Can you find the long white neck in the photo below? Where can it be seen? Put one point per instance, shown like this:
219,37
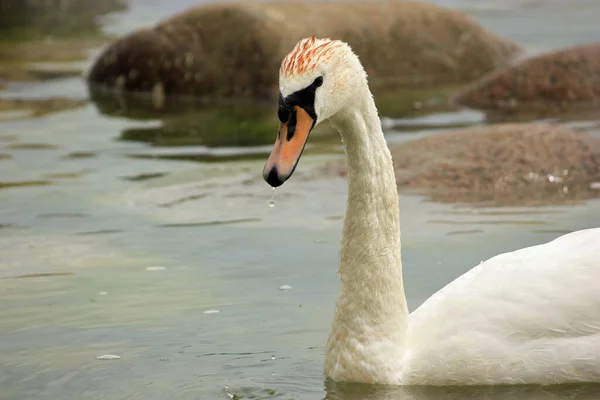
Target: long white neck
370,320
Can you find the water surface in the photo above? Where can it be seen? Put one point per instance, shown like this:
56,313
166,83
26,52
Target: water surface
172,259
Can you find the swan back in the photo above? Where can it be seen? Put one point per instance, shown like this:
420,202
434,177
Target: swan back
527,316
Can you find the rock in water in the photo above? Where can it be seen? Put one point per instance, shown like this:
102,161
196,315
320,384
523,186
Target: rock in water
233,50
558,82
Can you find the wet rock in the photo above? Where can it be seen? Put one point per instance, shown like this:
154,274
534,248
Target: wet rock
504,164
401,44
563,81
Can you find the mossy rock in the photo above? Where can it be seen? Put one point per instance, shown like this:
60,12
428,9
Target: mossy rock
198,77
400,43
560,82
503,164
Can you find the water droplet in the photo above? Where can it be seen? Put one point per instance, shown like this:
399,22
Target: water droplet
103,293
272,202
285,287
155,268
211,312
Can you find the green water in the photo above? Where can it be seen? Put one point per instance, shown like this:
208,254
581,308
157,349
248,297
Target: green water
84,214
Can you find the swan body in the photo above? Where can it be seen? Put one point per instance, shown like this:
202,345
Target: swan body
530,316
527,316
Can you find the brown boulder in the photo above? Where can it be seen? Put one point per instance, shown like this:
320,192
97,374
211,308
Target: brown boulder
233,50
510,163
561,81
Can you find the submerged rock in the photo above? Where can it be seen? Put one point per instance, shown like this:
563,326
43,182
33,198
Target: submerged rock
512,163
562,81
401,44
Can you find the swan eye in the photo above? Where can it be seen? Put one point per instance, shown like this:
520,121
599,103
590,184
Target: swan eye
283,115
318,82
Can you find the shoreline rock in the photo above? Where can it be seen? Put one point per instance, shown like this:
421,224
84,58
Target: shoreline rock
563,81
503,164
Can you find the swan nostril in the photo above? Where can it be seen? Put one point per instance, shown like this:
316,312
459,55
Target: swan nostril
272,178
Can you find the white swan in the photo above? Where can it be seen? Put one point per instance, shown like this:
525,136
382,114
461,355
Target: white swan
531,316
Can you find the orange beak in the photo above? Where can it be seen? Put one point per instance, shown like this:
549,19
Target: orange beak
288,148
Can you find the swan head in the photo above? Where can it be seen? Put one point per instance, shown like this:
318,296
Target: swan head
317,80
